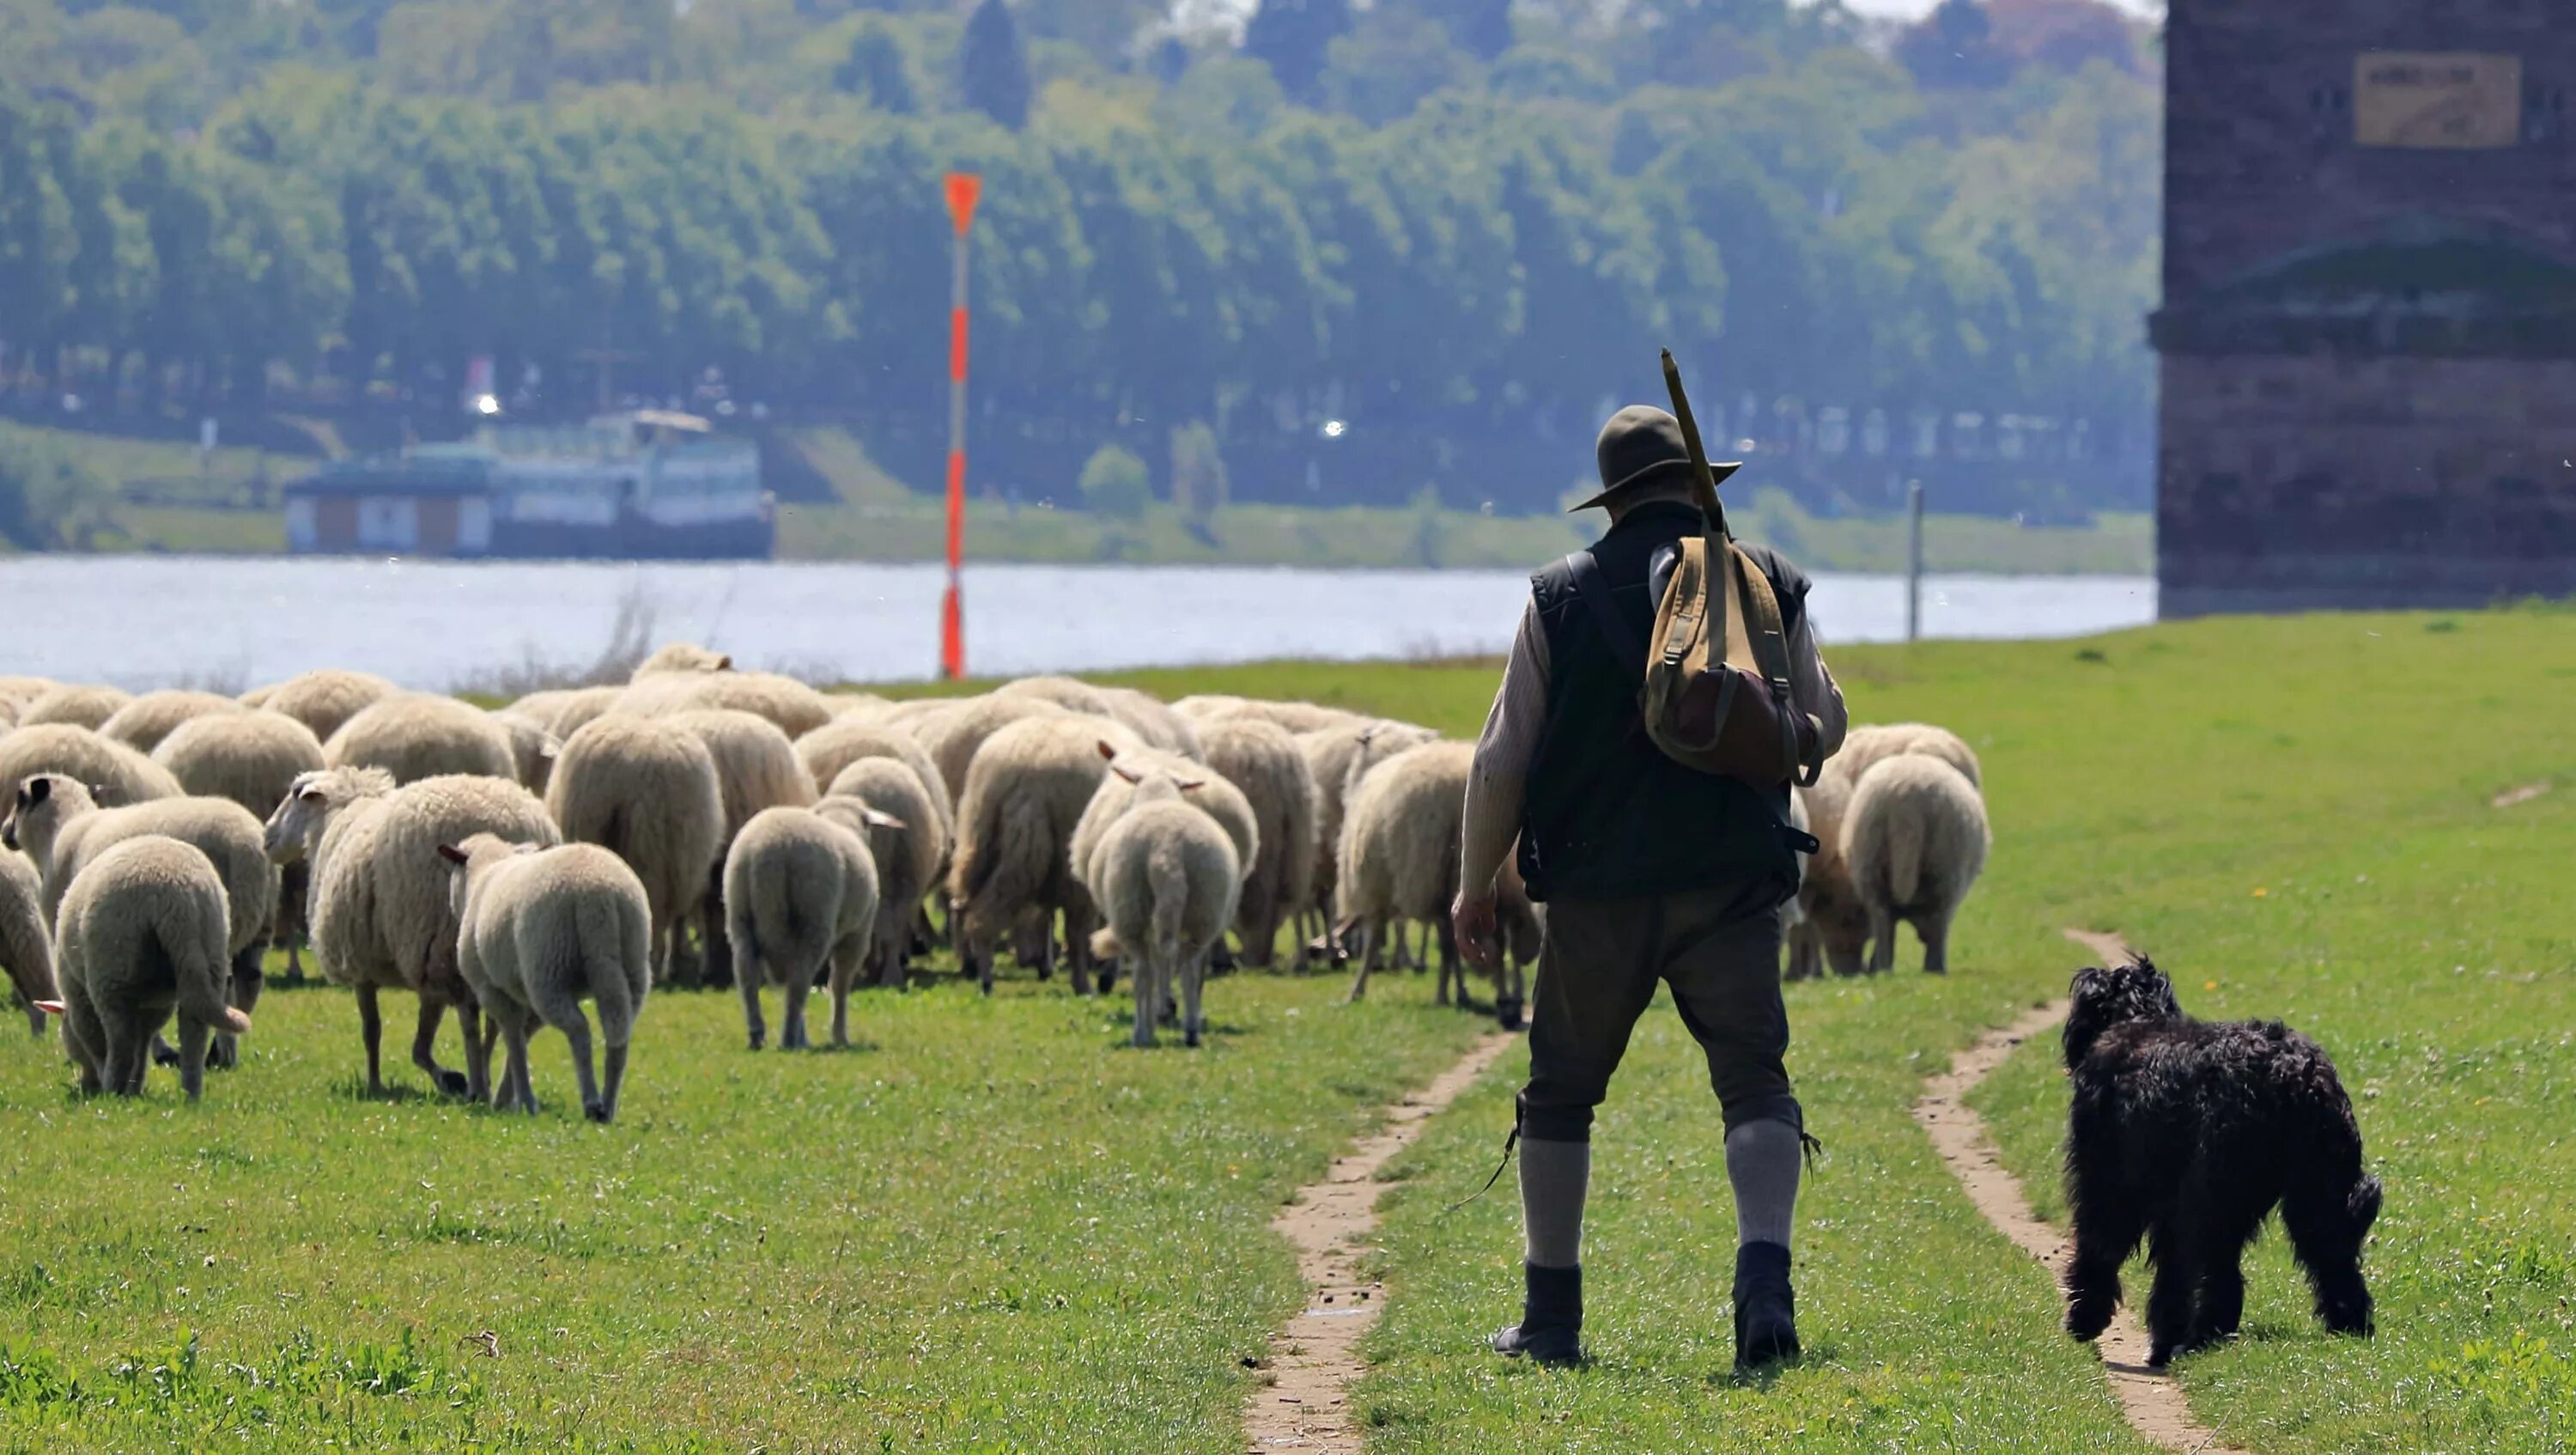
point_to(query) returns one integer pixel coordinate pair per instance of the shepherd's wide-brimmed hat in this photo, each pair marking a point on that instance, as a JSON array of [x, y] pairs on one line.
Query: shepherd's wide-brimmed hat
[[1640, 445]]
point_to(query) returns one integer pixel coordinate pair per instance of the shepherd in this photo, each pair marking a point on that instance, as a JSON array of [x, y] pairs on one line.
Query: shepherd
[[1663, 692]]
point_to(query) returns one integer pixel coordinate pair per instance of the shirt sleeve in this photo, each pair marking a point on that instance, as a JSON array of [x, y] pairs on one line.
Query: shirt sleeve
[[1499, 777], [1812, 687]]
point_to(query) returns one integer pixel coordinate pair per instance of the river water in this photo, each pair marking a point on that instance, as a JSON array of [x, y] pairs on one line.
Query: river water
[[229, 623]]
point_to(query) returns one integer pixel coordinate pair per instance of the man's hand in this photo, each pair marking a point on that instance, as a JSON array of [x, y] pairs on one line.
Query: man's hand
[[1471, 917]]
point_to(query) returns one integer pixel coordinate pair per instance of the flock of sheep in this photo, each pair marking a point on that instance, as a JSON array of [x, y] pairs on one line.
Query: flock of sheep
[[698, 825]]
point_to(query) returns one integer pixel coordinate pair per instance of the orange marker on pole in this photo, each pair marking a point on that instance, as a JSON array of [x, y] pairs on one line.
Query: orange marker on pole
[[963, 188]]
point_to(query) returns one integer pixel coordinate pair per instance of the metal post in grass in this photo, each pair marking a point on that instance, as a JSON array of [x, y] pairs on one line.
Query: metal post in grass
[[1913, 559], [963, 187]]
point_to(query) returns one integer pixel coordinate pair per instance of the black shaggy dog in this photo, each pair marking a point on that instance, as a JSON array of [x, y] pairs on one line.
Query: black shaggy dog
[[2187, 1133]]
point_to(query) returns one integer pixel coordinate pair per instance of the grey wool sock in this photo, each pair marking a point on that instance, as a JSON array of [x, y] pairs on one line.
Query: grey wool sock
[[1554, 1178], [1762, 1163]]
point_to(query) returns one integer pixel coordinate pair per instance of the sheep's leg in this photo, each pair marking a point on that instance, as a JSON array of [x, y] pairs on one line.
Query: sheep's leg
[[249, 979], [584, 1069], [845, 972], [127, 1045], [747, 976], [616, 1057], [1193, 975], [1077, 948], [897, 955], [800, 984], [1363, 939], [478, 1031], [520, 1081], [1882, 941], [193, 1035], [424, 1049], [371, 1029], [1934, 929], [1451, 967], [1147, 998], [163, 1053]]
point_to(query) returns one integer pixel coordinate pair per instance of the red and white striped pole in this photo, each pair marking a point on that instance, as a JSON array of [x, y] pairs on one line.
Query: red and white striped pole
[[963, 188]]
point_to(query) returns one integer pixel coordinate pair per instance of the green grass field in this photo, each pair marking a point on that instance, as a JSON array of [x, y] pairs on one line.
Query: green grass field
[[993, 1228]]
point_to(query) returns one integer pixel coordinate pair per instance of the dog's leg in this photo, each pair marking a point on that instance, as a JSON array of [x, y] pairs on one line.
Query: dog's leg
[[2172, 1247], [2107, 1228]]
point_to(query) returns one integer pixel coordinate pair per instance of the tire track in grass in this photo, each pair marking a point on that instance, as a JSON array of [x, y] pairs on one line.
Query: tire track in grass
[[2152, 1402], [1314, 1358]]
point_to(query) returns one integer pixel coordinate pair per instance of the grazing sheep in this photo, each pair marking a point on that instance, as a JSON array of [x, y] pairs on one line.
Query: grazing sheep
[[26, 951], [324, 700], [757, 768], [1296, 717], [252, 758], [683, 657], [575, 710], [77, 705], [540, 930], [1915, 838], [416, 735], [1865, 746], [1339, 757], [800, 895], [1154, 724], [63, 831], [533, 746], [647, 791], [142, 935], [796, 708], [78, 753], [1024, 794], [1519, 931], [1263, 760], [829, 750], [541, 706], [381, 921], [1830, 926], [1209, 794], [887, 804], [955, 735], [23, 690], [921, 709], [144, 722], [1166, 879], [1399, 851], [852, 704]]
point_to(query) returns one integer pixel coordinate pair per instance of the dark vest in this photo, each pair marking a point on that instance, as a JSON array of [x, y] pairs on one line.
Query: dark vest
[[1607, 815]]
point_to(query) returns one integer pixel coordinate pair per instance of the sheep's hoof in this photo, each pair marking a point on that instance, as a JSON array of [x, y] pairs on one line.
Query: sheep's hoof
[[1189, 1038], [596, 1112], [1507, 1009], [165, 1054], [221, 1057], [451, 1083], [757, 1040]]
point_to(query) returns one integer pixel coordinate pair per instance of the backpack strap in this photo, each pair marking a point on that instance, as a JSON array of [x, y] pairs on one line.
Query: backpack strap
[[1598, 604], [1770, 645]]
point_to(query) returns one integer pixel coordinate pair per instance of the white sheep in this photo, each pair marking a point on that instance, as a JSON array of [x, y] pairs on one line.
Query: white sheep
[[648, 792], [63, 830], [78, 753], [801, 897], [533, 746], [1339, 757], [142, 935], [833, 747], [1024, 793], [1263, 760], [540, 930], [566, 713], [1865, 746], [1399, 852], [1915, 838], [683, 657], [955, 732], [323, 700], [1070, 693], [418, 735], [78, 704], [757, 768], [144, 722], [886, 803], [1296, 717], [20, 690], [1154, 724], [380, 912], [252, 758], [26, 949], [796, 708], [1166, 879], [1829, 926]]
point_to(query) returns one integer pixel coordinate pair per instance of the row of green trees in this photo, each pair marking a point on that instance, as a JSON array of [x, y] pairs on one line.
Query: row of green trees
[[1461, 283]]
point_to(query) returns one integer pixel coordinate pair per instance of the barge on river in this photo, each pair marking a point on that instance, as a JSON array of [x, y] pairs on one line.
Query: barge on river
[[641, 485]]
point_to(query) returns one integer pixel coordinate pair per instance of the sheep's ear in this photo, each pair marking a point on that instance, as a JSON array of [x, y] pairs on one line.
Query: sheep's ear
[[549, 747], [50, 1007], [725, 662], [35, 791], [451, 853], [313, 794], [1108, 750], [882, 819], [104, 794], [1129, 774], [1367, 735], [1191, 785]]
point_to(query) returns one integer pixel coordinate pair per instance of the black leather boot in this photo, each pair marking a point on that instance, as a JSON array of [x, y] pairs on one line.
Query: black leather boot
[[1766, 1312], [1551, 1326]]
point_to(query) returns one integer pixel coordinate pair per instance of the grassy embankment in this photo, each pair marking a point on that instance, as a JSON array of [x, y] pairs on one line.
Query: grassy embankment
[[877, 519], [993, 1228]]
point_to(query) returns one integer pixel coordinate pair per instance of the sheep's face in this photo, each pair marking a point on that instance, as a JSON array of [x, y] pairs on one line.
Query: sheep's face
[[42, 805], [295, 828]]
